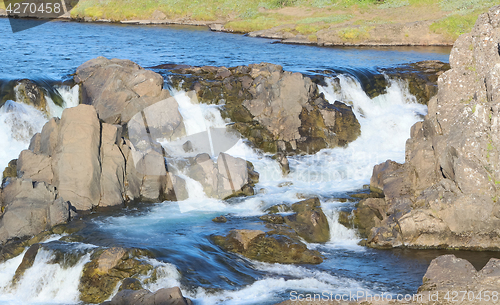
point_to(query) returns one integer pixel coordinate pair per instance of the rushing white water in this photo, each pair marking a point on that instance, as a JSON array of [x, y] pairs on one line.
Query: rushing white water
[[19, 122], [385, 125], [283, 279], [45, 282], [167, 275]]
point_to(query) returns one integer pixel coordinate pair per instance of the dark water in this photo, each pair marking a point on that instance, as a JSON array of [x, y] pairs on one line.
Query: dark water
[[54, 50]]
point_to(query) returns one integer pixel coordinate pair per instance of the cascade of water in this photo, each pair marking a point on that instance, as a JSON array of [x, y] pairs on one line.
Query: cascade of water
[[19, 122], [385, 123], [46, 282]]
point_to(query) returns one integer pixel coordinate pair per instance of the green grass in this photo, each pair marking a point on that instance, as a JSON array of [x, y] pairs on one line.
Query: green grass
[[458, 16], [455, 25], [354, 34]]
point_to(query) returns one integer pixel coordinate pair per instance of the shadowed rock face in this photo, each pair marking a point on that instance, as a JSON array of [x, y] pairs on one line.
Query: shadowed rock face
[[278, 111], [446, 193]]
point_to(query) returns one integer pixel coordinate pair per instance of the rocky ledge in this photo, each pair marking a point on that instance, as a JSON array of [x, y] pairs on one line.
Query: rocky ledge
[[276, 110], [446, 193], [104, 153]]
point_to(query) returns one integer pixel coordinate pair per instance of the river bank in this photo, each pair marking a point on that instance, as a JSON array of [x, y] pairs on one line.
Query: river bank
[[329, 23]]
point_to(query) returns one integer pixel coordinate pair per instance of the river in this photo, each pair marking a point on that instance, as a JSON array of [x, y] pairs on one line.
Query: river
[[179, 233]]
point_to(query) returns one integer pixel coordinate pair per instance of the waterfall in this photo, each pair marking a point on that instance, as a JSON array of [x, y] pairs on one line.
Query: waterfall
[[19, 122], [385, 126]]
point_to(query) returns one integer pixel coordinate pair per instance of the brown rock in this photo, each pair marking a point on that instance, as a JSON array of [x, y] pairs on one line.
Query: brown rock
[[220, 219], [277, 111], [164, 296], [76, 163], [271, 248], [446, 193], [309, 221], [118, 89]]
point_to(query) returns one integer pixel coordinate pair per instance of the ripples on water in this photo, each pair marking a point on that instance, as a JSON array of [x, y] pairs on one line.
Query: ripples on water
[[55, 49]]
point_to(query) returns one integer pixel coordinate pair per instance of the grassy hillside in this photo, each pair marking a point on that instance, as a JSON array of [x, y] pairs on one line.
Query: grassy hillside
[[450, 17]]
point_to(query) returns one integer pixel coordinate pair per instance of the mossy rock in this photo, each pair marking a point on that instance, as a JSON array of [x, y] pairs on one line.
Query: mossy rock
[[273, 218], [131, 284], [107, 268], [421, 77], [11, 170], [345, 219], [309, 221], [268, 248], [279, 208], [367, 215]]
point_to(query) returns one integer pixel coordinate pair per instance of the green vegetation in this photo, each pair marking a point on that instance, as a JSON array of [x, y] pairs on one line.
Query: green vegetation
[[349, 18], [354, 34], [456, 24]]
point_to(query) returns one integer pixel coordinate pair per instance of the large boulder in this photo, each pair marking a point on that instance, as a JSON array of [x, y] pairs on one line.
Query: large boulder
[[91, 165], [268, 247], [76, 160], [118, 89], [228, 177], [446, 193], [277, 111], [454, 280], [29, 208]]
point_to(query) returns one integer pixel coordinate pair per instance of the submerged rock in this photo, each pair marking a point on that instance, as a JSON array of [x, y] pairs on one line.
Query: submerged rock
[[446, 193], [266, 247], [164, 296], [220, 219], [277, 111]]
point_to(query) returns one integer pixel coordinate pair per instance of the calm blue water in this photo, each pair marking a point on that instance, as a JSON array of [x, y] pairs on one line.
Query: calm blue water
[[54, 50]]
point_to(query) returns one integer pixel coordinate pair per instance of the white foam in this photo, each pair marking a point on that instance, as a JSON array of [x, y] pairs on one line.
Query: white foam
[[167, 275], [45, 282], [385, 126], [19, 122], [266, 290]]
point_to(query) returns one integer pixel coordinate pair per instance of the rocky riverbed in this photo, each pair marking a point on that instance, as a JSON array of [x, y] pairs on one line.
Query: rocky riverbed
[[129, 141], [445, 194]]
